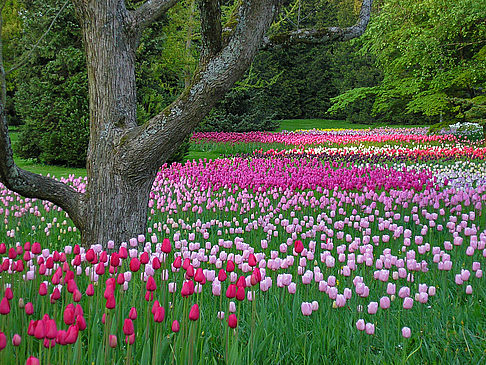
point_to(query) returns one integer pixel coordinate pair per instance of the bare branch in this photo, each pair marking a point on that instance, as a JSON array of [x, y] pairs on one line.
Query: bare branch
[[210, 28], [33, 185], [150, 12], [25, 57], [323, 35]]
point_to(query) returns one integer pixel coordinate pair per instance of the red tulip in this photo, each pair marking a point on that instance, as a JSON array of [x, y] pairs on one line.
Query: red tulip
[[166, 246], [113, 341], [103, 257], [133, 313], [40, 330], [222, 275], [3, 248], [81, 323], [51, 328], [42, 289], [230, 266], [100, 269], [4, 306], [72, 334], [71, 286], [177, 262], [175, 326], [151, 285], [231, 291], [190, 271], [130, 339], [199, 277], [31, 327], [149, 296], [77, 296], [187, 288], [134, 264], [120, 279], [61, 337], [77, 260], [144, 258], [128, 327], [123, 252], [3, 341], [8, 293], [110, 302], [90, 255], [155, 306], [16, 340], [186, 263], [252, 260], [76, 249], [29, 308], [241, 283], [194, 313], [240, 293], [256, 276], [49, 343], [90, 290], [298, 246], [78, 310], [50, 263], [232, 321], [68, 315], [20, 266], [32, 361], [156, 263], [12, 253], [159, 315]]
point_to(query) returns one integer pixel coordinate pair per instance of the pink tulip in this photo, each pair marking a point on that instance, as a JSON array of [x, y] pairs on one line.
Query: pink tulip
[[372, 307], [407, 303], [306, 308], [406, 332], [370, 329], [360, 325]]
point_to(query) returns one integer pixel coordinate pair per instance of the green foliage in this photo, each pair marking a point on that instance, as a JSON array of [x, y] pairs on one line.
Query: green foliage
[[432, 54], [51, 98]]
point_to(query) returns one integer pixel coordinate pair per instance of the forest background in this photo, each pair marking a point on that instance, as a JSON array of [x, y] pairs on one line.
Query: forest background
[[419, 62]]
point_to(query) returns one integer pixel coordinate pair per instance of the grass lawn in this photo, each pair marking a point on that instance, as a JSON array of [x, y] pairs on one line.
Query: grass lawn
[[294, 124]]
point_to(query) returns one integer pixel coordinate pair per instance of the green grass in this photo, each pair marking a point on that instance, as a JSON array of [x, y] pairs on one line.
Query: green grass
[[294, 124]]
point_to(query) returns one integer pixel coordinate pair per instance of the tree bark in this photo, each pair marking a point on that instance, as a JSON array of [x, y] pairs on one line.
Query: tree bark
[[115, 204]]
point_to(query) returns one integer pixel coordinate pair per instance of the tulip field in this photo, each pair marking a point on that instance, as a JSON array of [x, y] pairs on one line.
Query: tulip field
[[305, 247]]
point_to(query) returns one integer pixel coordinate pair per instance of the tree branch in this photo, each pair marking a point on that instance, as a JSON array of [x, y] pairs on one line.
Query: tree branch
[[150, 12], [33, 185], [210, 28], [323, 35], [25, 57], [145, 148]]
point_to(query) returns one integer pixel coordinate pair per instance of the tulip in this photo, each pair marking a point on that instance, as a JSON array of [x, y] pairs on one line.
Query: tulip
[[384, 302], [232, 321], [3, 341], [130, 340], [166, 246], [16, 339], [306, 308], [175, 326], [151, 285], [406, 332], [194, 313], [81, 322], [4, 306], [133, 313], [72, 334], [134, 264], [112, 341], [68, 315], [40, 330], [32, 361], [128, 327], [360, 325], [159, 315], [407, 303], [230, 266], [240, 293], [370, 329]]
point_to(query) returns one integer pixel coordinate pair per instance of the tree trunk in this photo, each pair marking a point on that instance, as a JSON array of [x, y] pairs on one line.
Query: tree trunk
[[115, 204]]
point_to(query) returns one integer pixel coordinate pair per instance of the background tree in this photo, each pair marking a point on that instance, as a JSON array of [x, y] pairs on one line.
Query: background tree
[[123, 156], [433, 58]]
